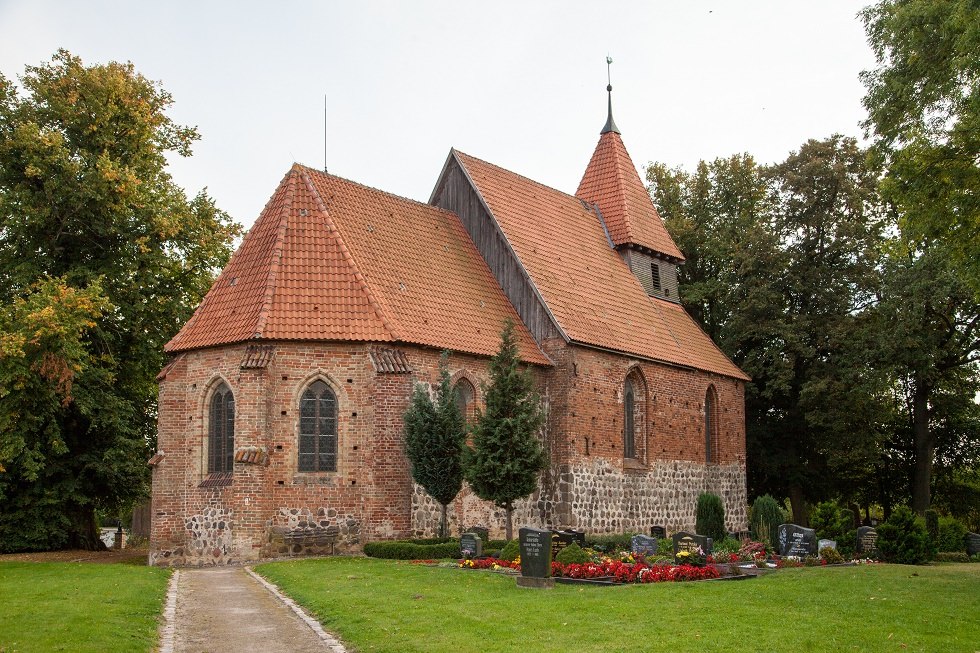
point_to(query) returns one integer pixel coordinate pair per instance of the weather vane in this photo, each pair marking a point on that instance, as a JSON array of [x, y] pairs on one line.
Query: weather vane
[[608, 73]]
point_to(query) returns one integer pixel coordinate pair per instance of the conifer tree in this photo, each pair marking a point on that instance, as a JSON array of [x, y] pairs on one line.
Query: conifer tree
[[506, 457], [435, 435]]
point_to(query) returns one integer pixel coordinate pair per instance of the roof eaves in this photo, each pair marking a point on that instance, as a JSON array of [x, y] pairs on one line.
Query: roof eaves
[[741, 374], [389, 324], [510, 248]]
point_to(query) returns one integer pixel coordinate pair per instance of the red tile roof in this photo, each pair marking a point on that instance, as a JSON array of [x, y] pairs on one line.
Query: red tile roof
[[611, 181], [585, 283], [330, 259]]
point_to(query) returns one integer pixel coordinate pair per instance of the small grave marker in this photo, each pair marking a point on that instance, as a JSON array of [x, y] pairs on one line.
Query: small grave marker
[[823, 544], [691, 542], [643, 545], [470, 545], [659, 532], [972, 544], [796, 541], [867, 541]]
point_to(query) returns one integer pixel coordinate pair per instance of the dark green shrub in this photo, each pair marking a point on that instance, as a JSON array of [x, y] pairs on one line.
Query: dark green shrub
[[495, 544], [510, 551], [831, 555], [952, 556], [932, 526], [403, 550], [725, 546], [665, 546], [765, 517], [903, 539], [833, 522], [427, 541], [710, 517], [609, 543], [573, 555], [951, 535]]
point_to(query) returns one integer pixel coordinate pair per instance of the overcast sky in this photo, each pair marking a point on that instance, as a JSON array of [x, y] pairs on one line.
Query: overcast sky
[[520, 84]]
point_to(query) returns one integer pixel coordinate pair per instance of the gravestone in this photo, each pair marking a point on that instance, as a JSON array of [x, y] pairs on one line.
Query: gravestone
[[480, 531], [470, 545], [823, 544], [691, 542], [659, 532], [796, 541], [535, 558], [561, 539], [867, 541], [972, 544], [643, 545]]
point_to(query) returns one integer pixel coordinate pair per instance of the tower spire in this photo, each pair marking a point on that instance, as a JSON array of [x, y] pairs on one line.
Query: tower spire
[[610, 125]]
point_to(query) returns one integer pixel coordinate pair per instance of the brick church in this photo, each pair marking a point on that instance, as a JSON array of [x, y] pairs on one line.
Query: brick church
[[280, 410]]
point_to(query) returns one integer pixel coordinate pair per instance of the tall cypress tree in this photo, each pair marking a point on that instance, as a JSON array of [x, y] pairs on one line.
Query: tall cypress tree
[[506, 457], [435, 435]]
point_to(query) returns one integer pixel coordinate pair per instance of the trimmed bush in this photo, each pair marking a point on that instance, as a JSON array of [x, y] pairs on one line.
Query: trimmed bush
[[573, 555], [710, 517], [725, 546], [609, 543], [952, 556], [511, 551], [951, 535], [903, 539], [764, 520], [404, 550], [833, 522], [831, 556]]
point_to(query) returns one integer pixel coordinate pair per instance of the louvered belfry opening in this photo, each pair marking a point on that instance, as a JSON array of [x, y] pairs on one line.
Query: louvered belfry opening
[[318, 429]]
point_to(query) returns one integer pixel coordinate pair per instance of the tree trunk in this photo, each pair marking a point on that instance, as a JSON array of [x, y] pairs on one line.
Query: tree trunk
[[509, 533], [444, 522], [84, 534], [924, 447], [798, 504]]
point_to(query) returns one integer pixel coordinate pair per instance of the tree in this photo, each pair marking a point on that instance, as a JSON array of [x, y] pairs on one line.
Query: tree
[[923, 105], [783, 257], [506, 457], [85, 200], [435, 435]]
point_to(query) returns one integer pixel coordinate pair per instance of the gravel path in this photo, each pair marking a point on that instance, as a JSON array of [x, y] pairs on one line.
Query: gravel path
[[230, 609]]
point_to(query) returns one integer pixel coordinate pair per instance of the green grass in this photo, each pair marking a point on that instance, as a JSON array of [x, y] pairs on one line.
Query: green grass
[[79, 607], [379, 605]]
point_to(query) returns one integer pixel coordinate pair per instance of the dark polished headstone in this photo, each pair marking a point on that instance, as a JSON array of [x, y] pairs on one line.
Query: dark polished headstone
[[561, 539], [867, 541], [535, 552], [796, 541], [470, 545], [972, 543], [691, 542], [643, 545], [659, 532]]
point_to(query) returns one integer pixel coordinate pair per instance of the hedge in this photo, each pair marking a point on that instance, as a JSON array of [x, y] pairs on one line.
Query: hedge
[[405, 550]]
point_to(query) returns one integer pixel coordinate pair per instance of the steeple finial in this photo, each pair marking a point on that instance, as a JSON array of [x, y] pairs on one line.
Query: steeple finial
[[610, 125]]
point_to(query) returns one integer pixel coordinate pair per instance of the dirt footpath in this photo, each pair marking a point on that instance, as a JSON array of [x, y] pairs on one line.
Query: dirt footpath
[[226, 609]]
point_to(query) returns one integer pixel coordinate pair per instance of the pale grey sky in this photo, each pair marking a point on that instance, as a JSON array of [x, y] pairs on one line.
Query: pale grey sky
[[521, 84]]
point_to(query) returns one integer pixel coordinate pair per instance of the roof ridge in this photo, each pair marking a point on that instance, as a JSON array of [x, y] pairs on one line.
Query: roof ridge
[[517, 174], [270, 282], [389, 324], [620, 182], [314, 171]]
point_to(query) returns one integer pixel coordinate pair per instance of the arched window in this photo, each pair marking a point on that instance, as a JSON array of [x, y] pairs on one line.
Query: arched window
[[466, 399], [629, 420], [318, 429], [710, 426], [221, 431]]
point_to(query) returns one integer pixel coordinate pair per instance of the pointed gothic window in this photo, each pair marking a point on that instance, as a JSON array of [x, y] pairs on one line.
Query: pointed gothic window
[[318, 429], [711, 426], [629, 421], [466, 399], [221, 431]]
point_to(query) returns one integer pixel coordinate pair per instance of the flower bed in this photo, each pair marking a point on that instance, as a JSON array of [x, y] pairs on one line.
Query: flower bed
[[615, 571]]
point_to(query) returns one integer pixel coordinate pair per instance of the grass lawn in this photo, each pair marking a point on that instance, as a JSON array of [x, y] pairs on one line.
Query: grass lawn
[[60, 606], [377, 605]]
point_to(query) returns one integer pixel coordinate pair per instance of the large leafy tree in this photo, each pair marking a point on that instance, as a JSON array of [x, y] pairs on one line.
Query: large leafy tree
[[435, 435], [923, 105], [782, 258], [88, 211], [507, 457]]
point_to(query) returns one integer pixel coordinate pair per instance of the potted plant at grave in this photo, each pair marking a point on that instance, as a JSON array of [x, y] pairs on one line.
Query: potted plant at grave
[[693, 557]]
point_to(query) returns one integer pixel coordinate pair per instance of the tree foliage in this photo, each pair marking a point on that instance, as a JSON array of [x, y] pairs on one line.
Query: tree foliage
[[506, 458], [89, 213], [435, 435], [923, 105]]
